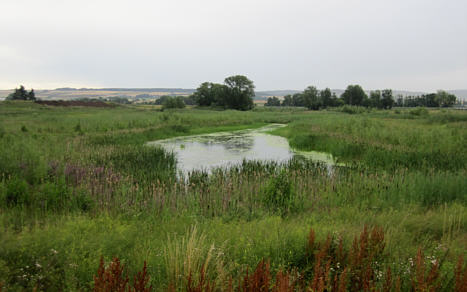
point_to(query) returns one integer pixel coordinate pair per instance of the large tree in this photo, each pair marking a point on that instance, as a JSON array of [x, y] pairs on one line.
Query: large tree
[[273, 101], [311, 98], [208, 94], [298, 100], [326, 97], [375, 99], [387, 100], [445, 99], [287, 101], [239, 92], [354, 95]]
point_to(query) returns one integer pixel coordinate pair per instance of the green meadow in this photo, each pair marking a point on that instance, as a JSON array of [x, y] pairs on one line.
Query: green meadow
[[78, 184]]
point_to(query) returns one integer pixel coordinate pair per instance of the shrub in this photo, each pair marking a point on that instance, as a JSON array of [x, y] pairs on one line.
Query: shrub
[[279, 195], [350, 109], [173, 102], [419, 111], [17, 192]]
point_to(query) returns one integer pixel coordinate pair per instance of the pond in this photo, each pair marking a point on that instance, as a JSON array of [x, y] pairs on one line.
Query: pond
[[224, 149]]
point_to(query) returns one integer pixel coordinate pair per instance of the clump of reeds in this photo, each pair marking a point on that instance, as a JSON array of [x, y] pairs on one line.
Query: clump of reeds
[[191, 262]]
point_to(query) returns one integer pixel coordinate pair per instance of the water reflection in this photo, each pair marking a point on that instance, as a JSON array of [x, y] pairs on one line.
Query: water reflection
[[204, 152]]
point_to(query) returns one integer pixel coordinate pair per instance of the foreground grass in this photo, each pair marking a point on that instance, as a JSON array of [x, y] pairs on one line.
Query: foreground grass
[[78, 184]]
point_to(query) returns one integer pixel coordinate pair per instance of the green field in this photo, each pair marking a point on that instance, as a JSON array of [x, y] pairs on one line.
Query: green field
[[78, 184]]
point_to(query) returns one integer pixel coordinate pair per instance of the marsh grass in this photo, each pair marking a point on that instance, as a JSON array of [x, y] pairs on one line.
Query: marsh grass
[[328, 265], [80, 184], [191, 257]]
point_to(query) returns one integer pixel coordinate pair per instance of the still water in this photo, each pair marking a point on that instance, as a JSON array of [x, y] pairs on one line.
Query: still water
[[224, 149]]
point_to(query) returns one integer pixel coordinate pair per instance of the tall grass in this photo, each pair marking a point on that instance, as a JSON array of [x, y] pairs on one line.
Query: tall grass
[[79, 184]]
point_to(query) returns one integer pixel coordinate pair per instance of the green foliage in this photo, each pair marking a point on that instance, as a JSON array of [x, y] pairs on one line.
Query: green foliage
[[354, 95], [144, 162], [21, 94], [419, 111], [67, 199], [279, 194], [445, 99], [209, 94], [273, 101], [237, 93], [78, 128], [439, 99], [351, 109], [311, 98], [16, 193], [173, 103], [387, 100]]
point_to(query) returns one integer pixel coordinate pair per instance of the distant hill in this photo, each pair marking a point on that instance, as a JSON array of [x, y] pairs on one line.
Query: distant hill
[[68, 93]]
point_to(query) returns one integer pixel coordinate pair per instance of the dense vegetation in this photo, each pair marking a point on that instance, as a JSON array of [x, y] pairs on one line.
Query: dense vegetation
[[354, 95], [237, 92], [21, 94], [78, 184]]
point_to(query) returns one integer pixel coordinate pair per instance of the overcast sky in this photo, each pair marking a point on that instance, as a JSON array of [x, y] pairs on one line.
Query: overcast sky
[[286, 44]]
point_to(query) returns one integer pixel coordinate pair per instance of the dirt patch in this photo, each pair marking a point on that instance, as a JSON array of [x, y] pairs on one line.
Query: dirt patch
[[74, 103]]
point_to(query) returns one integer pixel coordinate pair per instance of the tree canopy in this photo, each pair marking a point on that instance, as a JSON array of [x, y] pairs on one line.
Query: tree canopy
[[237, 92], [273, 101], [173, 102], [21, 94], [354, 95]]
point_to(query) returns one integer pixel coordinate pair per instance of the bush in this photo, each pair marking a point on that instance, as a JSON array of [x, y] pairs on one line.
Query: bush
[[351, 109], [173, 102], [419, 111], [16, 192], [279, 195]]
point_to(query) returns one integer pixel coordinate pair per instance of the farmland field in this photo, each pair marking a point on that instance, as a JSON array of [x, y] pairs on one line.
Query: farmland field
[[78, 184]]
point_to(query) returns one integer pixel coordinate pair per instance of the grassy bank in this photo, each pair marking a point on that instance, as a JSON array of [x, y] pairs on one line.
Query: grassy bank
[[78, 183]]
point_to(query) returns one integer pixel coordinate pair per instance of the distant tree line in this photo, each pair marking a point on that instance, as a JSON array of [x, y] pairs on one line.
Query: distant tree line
[[187, 100], [237, 92], [114, 99], [315, 99], [21, 94], [439, 99]]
